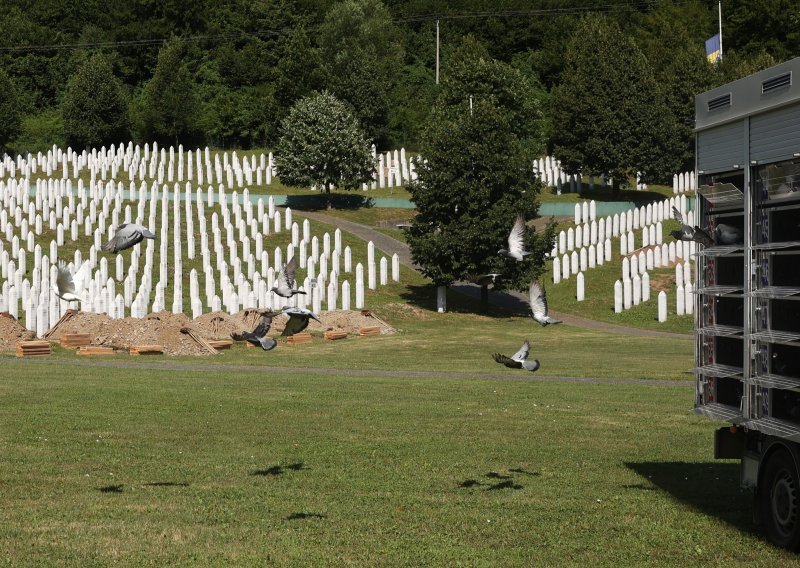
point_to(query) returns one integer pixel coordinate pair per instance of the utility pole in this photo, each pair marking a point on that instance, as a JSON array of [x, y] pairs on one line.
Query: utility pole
[[437, 52], [720, 30]]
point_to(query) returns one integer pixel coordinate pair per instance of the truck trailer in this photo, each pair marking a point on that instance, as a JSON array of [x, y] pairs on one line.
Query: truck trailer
[[747, 286]]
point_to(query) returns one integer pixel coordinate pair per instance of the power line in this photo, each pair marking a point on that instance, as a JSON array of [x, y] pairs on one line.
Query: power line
[[573, 10]]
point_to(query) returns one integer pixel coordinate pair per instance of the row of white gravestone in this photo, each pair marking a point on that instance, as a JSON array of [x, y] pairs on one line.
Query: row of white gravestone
[[188, 203], [683, 182], [137, 163], [630, 292], [656, 257], [581, 260], [684, 302], [634, 218]]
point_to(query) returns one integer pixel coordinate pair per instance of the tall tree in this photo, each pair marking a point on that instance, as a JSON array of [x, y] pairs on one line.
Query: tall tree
[[9, 110], [95, 106], [362, 51], [167, 109], [609, 115], [322, 144]]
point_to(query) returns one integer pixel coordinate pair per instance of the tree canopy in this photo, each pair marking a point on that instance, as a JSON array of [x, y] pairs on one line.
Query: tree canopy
[[323, 145], [95, 107]]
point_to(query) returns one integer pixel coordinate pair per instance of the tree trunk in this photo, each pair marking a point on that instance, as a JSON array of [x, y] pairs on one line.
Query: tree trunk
[[328, 205], [615, 186], [485, 298]]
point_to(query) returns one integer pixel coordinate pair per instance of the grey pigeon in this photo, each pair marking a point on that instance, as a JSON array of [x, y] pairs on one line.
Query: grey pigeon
[[687, 233], [516, 241], [284, 285], [258, 336], [68, 286], [298, 320], [485, 279], [538, 302], [518, 360], [127, 235], [727, 234]]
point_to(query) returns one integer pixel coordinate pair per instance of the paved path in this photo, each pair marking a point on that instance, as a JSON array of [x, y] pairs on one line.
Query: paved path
[[267, 370], [512, 300]]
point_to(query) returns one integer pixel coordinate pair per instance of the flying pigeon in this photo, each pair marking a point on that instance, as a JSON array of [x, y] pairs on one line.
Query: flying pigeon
[[687, 233], [284, 285], [298, 320], [258, 336], [516, 241], [68, 286], [538, 302], [127, 235], [485, 279], [519, 359]]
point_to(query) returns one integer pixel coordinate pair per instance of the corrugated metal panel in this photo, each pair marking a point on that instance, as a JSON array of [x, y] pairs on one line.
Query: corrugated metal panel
[[720, 148], [775, 135]]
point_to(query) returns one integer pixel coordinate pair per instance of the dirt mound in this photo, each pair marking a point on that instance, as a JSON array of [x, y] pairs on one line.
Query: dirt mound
[[164, 328], [12, 332]]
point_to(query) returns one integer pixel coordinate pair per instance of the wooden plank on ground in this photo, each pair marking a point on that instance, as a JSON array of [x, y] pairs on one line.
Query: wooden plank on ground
[[220, 344], [146, 350], [369, 331], [66, 317], [298, 338], [75, 339], [199, 340], [335, 334], [33, 348], [94, 351]]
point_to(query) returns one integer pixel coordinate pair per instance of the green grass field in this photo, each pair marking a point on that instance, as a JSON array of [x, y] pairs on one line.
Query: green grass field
[[145, 467]]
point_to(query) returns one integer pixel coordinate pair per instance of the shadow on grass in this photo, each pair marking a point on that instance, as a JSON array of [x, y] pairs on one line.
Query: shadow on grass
[[319, 201], [711, 488], [279, 469], [465, 298], [111, 489], [505, 481], [167, 484], [606, 194], [297, 516]]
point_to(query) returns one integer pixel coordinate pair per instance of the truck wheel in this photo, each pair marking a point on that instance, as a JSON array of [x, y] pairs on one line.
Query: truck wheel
[[780, 500]]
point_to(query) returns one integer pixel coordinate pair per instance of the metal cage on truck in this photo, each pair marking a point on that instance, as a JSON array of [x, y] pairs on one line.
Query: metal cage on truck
[[747, 316]]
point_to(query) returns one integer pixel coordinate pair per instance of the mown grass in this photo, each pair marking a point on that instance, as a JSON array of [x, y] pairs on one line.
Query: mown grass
[[227, 468]]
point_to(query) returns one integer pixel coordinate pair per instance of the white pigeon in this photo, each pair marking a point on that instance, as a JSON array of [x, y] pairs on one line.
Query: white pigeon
[[126, 236], [284, 285], [518, 360], [485, 279], [298, 320], [516, 241], [538, 302], [68, 286]]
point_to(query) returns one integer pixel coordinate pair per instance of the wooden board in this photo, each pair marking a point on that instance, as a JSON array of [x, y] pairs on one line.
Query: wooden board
[[199, 340], [335, 334], [33, 348], [66, 317], [298, 338], [146, 350], [221, 343], [368, 331], [75, 339], [94, 351]]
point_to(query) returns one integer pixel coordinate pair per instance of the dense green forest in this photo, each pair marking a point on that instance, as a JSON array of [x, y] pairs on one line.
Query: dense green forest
[[226, 74]]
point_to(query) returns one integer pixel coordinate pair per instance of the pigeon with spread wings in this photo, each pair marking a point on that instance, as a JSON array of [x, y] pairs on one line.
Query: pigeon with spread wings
[[518, 360], [68, 286], [538, 303], [258, 336], [687, 233], [516, 241], [284, 284], [298, 320], [127, 235]]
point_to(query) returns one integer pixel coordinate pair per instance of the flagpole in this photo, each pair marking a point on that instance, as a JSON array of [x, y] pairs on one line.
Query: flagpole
[[720, 29]]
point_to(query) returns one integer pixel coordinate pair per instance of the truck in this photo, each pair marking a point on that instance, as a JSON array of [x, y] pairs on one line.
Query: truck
[[747, 286]]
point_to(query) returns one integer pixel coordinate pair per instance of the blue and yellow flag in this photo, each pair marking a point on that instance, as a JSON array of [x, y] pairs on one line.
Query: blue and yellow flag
[[713, 51]]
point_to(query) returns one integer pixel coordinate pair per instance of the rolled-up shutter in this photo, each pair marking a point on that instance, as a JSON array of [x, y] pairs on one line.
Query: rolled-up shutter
[[775, 136], [721, 148]]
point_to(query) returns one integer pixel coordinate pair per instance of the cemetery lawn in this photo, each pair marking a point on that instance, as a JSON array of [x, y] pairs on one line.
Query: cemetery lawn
[[234, 468]]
